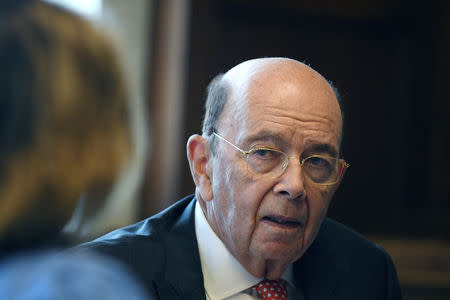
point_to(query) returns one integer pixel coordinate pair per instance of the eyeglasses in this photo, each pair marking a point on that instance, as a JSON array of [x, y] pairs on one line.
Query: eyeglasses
[[321, 169]]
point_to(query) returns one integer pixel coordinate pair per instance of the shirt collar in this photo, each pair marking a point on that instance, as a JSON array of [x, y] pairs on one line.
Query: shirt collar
[[223, 275]]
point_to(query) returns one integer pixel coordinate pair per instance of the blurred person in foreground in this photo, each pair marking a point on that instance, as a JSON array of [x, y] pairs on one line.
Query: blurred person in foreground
[[265, 168], [63, 132]]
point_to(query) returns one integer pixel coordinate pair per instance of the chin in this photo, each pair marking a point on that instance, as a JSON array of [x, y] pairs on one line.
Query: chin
[[279, 251]]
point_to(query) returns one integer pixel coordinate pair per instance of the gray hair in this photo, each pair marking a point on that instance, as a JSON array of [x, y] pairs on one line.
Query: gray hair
[[217, 96], [218, 92]]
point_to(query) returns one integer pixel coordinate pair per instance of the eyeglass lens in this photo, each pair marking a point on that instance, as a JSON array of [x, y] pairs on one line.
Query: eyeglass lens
[[320, 169]]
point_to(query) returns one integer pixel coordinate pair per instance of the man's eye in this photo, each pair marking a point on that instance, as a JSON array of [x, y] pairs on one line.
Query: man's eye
[[265, 154], [317, 162]]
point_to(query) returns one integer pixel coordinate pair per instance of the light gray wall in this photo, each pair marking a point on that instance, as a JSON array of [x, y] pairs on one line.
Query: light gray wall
[[129, 25]]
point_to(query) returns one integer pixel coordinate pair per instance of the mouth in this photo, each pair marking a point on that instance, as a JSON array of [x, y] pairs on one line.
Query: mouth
[[282, 221]]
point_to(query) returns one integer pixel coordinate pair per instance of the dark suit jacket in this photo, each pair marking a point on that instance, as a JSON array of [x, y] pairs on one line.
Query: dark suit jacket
[[163, 251]]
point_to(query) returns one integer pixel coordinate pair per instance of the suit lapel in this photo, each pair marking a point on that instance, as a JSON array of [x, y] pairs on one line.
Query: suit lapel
[[183, 275]]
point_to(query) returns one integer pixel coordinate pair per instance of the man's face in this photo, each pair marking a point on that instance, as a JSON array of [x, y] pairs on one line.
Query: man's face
[[268, 223]]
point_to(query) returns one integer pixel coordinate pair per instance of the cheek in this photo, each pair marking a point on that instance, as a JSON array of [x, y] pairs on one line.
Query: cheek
[[247, 194], [229, 201], [319, 199], [318, 202], [239, 195]]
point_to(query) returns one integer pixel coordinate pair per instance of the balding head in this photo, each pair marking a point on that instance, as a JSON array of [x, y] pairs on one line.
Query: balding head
[[233, 85]]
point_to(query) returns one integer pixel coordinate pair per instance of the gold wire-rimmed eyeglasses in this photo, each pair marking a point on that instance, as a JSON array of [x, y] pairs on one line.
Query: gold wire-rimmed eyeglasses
[[320, 169]]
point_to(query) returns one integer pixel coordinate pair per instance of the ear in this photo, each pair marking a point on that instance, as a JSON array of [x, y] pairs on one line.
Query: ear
[[337, 184], [198, 154]]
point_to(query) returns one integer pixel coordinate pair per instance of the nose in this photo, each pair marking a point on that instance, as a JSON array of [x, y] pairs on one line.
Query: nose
[[291, 183]]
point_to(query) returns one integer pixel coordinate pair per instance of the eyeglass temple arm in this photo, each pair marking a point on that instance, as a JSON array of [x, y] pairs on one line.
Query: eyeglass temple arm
[[230, 143]]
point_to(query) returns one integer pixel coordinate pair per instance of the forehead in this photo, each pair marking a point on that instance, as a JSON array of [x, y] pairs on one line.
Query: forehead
[[288, 99]]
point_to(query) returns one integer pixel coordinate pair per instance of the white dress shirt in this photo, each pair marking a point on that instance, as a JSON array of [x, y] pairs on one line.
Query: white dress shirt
[[223, 276]]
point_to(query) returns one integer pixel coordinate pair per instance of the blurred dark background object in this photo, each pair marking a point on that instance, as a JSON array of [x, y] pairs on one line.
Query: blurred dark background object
[[389, 60]]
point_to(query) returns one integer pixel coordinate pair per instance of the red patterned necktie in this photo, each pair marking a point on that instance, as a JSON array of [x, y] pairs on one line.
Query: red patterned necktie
[[271, 289]]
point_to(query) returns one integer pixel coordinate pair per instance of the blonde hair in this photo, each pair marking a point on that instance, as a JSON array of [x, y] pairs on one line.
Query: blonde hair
[[66, 117]]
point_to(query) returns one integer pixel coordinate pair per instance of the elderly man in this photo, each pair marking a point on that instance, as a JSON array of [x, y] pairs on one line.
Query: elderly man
[[265, 169]]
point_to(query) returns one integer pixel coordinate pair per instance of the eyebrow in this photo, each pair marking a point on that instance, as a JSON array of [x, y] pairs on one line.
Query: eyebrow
[[322, 148], [265, 136], [277, 140]]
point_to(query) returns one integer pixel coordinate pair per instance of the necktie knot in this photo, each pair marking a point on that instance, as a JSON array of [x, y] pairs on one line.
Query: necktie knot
[[271, 289]]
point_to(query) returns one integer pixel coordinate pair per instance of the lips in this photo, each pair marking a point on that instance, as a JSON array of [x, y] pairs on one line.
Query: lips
[[282, 221]]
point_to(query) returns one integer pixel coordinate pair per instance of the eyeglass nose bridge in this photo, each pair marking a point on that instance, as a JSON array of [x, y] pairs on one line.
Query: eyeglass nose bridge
[[286, 162]]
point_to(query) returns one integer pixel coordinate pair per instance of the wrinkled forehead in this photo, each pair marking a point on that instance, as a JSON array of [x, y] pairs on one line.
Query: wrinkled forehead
[[259, 85]]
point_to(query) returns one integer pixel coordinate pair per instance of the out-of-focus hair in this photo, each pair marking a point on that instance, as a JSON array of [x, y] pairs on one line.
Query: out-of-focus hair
[[63, 117]]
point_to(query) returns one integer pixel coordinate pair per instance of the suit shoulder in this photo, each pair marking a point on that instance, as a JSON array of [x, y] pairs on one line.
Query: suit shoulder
[[333, 231], [361, 264], [148, 234], [348, 243]]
